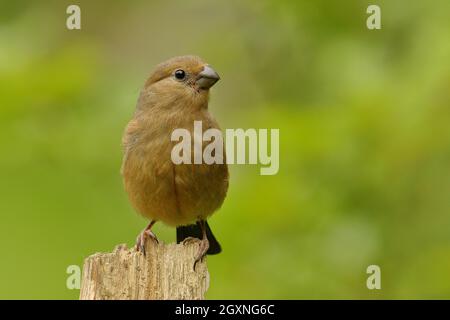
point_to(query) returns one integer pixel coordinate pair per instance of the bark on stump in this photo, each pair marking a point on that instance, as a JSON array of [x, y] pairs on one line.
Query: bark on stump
[[166, 272]]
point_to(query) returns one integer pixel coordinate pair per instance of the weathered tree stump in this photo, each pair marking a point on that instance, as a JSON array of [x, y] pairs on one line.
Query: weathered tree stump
[[166, 272]]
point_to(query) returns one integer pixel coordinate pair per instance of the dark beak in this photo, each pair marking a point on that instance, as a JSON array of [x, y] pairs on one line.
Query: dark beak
[[207, 78]]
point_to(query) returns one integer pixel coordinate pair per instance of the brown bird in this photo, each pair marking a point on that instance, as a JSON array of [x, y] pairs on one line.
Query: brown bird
[[182, 195]]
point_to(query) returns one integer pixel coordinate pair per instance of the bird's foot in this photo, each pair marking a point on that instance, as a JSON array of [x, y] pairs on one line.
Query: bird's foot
[[142, 237], [203, 248], [188, 240]]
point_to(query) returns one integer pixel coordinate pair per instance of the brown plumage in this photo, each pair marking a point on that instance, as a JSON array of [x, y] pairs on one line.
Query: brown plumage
[[174, 96]]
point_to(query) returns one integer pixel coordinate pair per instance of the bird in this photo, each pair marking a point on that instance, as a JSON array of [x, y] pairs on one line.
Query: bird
[[180, 195]]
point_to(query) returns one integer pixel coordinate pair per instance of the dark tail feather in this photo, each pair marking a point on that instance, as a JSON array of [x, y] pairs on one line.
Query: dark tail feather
[[193, 230]]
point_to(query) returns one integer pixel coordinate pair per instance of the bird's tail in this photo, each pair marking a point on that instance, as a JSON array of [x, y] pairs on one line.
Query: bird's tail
[[194, 230]]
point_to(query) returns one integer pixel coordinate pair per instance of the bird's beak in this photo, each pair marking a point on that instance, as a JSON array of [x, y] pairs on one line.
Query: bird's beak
[[207, 78]]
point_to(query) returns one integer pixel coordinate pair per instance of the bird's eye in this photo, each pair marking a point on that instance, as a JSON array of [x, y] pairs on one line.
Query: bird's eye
[[180, 74]]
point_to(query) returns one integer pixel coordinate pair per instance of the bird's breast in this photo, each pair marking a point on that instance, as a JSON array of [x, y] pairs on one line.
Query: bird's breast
[[176, 194]]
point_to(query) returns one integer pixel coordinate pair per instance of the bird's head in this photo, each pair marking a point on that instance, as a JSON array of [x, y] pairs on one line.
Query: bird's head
[[185, 77]]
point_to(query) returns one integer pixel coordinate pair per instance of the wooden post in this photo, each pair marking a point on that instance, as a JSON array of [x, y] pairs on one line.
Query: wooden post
[[166, 272]]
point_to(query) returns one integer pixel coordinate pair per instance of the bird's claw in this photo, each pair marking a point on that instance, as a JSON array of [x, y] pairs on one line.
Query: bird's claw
[[203, 248], [142, 237]]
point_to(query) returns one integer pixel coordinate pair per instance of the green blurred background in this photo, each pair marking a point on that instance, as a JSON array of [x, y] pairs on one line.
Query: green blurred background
[[364, 119]]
